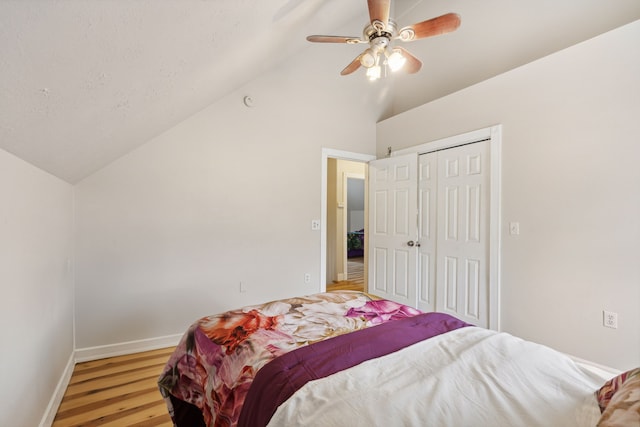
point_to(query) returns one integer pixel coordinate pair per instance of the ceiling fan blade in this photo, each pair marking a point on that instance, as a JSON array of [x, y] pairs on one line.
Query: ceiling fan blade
[[413, 64], [379, 10], [334, 39], [353, 66], [431, 27]]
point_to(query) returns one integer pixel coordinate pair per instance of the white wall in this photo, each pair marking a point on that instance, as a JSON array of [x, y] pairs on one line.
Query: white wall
[[355, 206], [166, 234], [570, 177], [36, 308]]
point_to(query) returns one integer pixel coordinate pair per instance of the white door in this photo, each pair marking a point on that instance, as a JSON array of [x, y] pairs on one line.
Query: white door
[[427, 231], [463, 232], [393, 186]]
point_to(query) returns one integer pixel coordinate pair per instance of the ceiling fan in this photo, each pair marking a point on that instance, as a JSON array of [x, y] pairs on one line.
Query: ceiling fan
[[379, 34]]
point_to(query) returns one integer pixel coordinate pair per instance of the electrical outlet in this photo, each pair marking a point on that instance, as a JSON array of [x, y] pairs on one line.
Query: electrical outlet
[[307, 277], [610, 319], [514, 228], [315, 224]]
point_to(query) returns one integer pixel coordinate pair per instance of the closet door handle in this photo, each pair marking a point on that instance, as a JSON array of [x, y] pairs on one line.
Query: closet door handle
[[410, 243]]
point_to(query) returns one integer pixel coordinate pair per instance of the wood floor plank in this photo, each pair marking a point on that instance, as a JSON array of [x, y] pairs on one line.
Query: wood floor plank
[[84, 399], [115, 368], [122, 359], [142, 417], [114, 407], [113, 380], [155, 422], [119, 391]]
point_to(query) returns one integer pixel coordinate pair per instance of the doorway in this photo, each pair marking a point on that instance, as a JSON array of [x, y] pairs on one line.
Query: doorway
[[339, 217], [354, 239], [345, 224]]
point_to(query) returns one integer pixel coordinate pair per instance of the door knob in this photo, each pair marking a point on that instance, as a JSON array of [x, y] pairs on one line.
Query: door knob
[[410, 243]]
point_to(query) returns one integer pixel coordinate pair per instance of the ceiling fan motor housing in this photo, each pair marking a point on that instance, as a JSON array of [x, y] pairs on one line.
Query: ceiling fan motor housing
[[377, 30], [379, 36]]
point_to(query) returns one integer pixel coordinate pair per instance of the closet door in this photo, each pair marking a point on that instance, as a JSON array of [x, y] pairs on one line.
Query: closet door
[[392, 236], [427, 207], [462, 232]]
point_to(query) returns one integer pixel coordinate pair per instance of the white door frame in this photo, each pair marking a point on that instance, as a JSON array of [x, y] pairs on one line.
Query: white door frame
[[494, 133], [342, 155]]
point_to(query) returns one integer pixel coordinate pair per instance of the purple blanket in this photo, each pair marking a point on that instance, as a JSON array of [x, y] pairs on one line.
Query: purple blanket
[[280, 378]]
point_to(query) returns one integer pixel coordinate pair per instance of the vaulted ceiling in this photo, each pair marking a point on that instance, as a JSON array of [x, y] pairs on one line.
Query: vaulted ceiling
[[83, 82]]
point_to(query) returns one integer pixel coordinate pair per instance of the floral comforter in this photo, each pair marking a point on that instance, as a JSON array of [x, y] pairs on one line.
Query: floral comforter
[[218, 357]]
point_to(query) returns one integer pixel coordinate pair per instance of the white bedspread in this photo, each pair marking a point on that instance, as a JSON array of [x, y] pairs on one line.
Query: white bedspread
[[467, 377]]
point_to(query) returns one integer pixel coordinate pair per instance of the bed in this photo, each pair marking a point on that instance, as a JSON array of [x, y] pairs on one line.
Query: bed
[[348, 359]]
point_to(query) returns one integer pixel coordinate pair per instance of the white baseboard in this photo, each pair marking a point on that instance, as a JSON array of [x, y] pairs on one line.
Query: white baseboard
[[58, 394], [130, 347]]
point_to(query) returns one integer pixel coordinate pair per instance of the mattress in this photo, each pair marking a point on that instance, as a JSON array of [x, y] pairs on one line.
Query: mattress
[[466, 377], [347, 358]]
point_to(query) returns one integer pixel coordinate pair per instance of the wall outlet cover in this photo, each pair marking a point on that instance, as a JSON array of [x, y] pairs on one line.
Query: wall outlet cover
[[610, 319]]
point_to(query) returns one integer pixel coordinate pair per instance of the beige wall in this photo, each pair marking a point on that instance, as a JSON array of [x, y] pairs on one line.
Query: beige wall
[[36, 281], [570, 177]]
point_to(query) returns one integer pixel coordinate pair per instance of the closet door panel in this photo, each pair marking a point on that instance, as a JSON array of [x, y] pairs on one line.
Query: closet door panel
[[427, 220], [393, 186], [462, 232]]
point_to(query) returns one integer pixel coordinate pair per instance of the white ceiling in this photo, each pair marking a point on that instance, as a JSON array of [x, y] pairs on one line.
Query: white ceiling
[[83, 82]]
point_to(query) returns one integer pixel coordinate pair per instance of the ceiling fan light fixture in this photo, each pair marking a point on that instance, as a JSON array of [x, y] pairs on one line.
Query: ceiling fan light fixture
[[374, 73], [368, 59], [396, 60]]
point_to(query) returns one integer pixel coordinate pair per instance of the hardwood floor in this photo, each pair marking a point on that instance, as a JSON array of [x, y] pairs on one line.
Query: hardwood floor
[[118, 391], [355, 275]]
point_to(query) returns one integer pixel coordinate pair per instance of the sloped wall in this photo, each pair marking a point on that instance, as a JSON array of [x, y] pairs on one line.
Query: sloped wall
[[167, 233], [36, 279]]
